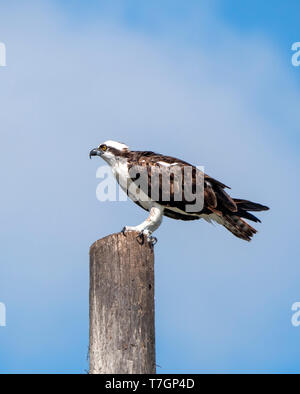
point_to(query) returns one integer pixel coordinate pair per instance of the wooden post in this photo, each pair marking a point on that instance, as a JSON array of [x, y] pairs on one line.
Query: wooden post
[[122, 335]]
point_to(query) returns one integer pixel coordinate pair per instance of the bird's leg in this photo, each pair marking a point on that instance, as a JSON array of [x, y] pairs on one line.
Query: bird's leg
[[148, 226]]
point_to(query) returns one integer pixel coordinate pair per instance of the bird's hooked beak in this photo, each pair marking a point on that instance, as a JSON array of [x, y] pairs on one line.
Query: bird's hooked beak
[[95, 152]]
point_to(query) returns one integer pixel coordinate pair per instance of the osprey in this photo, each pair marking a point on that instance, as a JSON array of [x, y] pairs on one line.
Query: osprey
[[217, 205]]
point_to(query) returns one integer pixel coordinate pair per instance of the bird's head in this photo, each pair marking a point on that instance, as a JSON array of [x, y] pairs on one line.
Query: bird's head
[[110, 151]]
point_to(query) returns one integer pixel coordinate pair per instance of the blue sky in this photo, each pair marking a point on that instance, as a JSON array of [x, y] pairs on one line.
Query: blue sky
[[210, 82]]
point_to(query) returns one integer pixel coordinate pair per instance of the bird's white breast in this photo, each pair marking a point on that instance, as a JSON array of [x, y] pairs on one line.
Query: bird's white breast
[[120, 171]]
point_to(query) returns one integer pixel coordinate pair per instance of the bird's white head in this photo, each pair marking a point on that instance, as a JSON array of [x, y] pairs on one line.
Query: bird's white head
[[110, 151]]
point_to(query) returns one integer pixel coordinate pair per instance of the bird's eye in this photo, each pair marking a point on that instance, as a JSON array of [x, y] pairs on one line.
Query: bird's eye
[[103, 147]]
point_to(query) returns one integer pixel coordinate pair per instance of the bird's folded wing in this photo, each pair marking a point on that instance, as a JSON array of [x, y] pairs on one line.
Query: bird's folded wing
[[172, 183]]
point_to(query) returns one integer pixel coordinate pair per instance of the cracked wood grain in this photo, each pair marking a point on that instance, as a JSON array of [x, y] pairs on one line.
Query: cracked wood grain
[[122, 333]]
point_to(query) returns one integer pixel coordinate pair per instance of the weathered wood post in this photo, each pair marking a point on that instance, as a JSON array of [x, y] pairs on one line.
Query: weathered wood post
[[122, 335]]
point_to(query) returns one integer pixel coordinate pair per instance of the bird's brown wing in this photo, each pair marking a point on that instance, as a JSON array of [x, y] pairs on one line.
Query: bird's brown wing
[[185, 180], [216, 202]]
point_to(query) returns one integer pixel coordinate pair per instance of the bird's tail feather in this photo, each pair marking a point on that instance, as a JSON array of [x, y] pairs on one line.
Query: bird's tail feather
[[249, 205], [239, 227]]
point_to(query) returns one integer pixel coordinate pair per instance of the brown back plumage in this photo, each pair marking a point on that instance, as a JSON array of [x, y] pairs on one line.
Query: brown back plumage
[[218, 205]]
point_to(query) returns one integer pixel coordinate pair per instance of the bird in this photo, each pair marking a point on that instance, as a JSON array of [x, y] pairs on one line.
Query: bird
[[134, 171]]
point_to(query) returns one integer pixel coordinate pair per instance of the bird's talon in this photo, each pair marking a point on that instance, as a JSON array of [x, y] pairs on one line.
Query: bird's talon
[[152, 240], [140, 238], [124, 231]]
